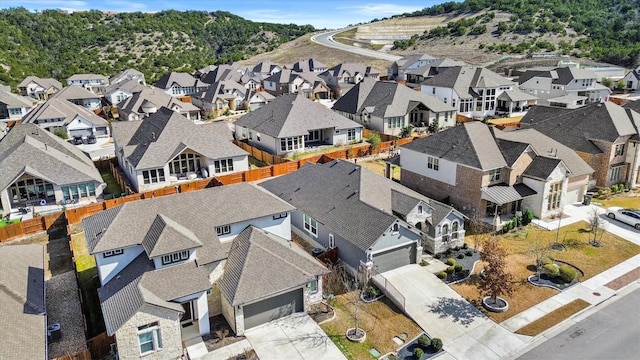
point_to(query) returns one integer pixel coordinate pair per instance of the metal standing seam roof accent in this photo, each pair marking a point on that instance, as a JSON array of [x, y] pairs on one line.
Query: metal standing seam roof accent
[[504, 194], [255, 253]]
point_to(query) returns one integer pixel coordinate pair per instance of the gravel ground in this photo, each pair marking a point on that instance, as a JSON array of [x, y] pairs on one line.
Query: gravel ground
[[63, 306]]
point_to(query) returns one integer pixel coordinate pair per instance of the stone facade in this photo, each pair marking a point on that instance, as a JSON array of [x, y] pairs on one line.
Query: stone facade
[[170, 333]]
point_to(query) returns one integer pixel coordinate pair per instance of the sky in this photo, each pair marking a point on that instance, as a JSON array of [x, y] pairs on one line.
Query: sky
[[321, 14]]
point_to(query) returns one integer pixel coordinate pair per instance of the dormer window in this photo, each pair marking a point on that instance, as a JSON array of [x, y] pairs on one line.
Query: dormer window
[[223, 230], [111, 253], [175, 257], [494, 175], [420, 209], [395, 228], [280, 216]]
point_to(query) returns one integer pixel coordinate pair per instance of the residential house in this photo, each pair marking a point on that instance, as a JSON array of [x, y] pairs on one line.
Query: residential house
[[75, 120], [38, 88], [376, 223], [605, 135], [79, 96], [166, 147], [265, 69], [548, 85], [342, 77], [474, 91], [147, 101], [164, 271], [291, 82], [488, 172], [180, 84], [415, 76], [4, 129], [212, 74], [397, 70], [39, 168], [389, 107], [92, 82], [120, 91], [23, 309], [220, 97], [292, 123], [14, 107], [632, 80], [256, 99], [309, 65], [127, 75]]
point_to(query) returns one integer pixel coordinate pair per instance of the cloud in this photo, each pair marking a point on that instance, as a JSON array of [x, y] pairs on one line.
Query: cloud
[[282, 17], [48, 4], [381, 10]]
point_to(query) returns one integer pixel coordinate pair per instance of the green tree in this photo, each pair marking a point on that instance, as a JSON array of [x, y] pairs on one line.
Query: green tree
[[61, 133]]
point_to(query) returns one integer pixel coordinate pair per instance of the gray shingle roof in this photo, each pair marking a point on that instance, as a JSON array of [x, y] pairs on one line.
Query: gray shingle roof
[[511, 150], [124, 74], [56, 108], [27, 148], [469, 144], [14, 101], [88, 77], [350, 200], [131, 86], [200, 212], [541, 167], [576, 128], [351, 69], [516, 95], [182, 79], [463, 78], [156, 140], [75, 93], [134, 103], [386, 99], [255, 253], [165, 236], [22, 302], [293, 115], [43, 82]]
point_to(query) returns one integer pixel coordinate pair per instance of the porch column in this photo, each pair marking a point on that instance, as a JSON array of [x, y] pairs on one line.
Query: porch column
[[202, 311], [633, 179]]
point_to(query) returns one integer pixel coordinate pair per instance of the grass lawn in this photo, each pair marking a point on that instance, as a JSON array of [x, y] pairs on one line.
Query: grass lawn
[[381, 320], [520, 262], [89, 283], [255, 163], [306, 154], [378, 166], [8, 222], [553, 318], [629, 202], [112, 184]]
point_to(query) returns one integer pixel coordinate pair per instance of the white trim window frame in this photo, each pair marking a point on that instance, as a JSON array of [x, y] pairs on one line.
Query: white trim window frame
[[332, 241], [149, 339], [111, 253], [175, 257], [223, 230], [433, 163], [311, 225]]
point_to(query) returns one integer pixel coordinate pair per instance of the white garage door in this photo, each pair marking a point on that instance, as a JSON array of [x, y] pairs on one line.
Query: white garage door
[[573, 195]]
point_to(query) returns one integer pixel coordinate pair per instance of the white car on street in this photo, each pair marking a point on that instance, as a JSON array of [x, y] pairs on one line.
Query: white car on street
[[627, 216]]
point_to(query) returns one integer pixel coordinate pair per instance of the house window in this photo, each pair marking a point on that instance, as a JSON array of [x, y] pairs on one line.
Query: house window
[[258, 136], [78, 191], [183, 163], [395, 228], [175, 257], [614, 175], [280, 216], [466, 105], [419, 209], [223, 230], [433, 163], [313, 286], [222, 166], [433, 91], [111, 253], [291, 143], [395, 122], [490, 99], [332, 241], [149, 338], [351, 134], [454, 230], [619, 150], [555, 192], [314, 135], [310, 225], [153, 176], [494, 175]]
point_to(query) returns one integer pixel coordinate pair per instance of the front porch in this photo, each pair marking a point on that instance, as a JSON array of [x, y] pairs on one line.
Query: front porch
[[514, 103], [503, 202]]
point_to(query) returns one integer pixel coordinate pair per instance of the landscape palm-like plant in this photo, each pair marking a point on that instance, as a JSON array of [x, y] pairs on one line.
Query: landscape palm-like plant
[[496, 280]]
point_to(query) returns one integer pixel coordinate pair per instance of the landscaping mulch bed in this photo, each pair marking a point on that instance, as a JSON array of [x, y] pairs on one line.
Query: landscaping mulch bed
[[406, 352], [555, 282], [247, 355], [221, 335], [624, 280], [553, 318], [467, 264], [320, 312]]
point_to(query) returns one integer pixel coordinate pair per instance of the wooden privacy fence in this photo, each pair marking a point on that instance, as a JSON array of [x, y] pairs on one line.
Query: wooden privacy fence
[[366, 133], [82, 355], [260, 155], [100, 345], [31, 226]]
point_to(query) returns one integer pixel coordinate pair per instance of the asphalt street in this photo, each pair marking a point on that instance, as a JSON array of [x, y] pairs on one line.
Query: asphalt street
[[326, 39], [612, 333]]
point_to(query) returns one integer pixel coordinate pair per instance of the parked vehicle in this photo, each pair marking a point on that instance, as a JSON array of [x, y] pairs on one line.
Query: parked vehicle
[[91, 139], [627, 216], [77, 140]]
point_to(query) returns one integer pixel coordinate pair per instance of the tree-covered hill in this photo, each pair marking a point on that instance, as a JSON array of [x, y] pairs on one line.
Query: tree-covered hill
[[57, 44], [605, 30]]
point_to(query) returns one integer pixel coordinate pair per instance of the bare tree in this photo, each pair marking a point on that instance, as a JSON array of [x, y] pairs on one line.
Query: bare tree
[[477, 226], [334, 282], [340, 281], [597, 226], [496, 280], [539, 252]]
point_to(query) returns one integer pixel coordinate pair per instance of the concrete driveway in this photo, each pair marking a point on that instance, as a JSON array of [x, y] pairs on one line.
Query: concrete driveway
[[582, 212], [442, 313], [295, 337]]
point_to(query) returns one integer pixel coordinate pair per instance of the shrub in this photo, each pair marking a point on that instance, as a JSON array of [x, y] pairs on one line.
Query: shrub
[[465, 246], [438, 256], [451, 269], [424, 341], [436, 344], [451, 261], [448, 252], [372, 291], [567, 273], [614, 189], [527, 216], [546, 260], [460, 256], [424, 263], [61, 133], [457, 248], [442, 275], [551, 269], [469, 253], [417, 353], [457, 267]]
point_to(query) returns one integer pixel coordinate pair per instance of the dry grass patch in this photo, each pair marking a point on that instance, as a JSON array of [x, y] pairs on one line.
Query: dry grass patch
[[378, 166], [381, 320], [626, 200], [553, 318], [520, 263]]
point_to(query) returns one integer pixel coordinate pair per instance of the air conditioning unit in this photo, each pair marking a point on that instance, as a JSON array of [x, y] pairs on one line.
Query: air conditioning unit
[[54, 333]]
